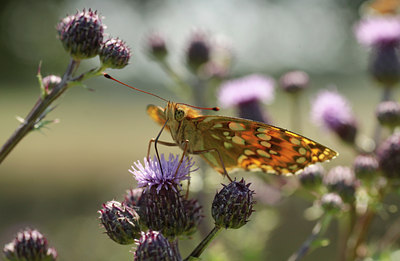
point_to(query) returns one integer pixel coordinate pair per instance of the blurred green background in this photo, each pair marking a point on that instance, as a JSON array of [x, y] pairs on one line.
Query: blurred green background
[[55, 180]]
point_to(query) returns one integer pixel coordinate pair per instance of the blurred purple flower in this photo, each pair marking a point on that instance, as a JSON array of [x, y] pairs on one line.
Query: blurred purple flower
[[150, 174], [294, 81], [246, 93], [378, 31], [333, 111], [245, 89]]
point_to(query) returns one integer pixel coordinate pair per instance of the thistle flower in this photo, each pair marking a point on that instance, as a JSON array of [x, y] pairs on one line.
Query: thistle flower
[[378, 31], [120, 221], [332, 203], [383, 35], [29, 244], [81, 34], [114, 53], [388, 114], [388, 155], [294, 81], [365, 167], [156, 47], [150, 174], [311, 176], [198, 51], [246, 93], [342, 181], [333, 111], [233, 205], [132, 197], [152, 245], [49, 82]]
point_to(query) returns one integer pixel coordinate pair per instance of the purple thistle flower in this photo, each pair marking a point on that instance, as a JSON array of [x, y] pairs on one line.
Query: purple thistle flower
[[245, 89], [378, 31], [246, 93], [150, 174], [333, 111]]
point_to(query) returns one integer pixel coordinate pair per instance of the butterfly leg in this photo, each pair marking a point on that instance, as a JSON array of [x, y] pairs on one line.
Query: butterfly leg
[[166, 143], [220, 159]]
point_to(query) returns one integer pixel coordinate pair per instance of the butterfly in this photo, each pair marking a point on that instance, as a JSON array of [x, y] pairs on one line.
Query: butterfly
[[228, 143]]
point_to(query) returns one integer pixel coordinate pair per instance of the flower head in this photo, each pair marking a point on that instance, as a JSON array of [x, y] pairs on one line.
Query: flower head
[[114, 53], [333, 111], [150, 174], [233, 205], [388, 113], [156, 46], [294, 81], [331, 203], [195, 213], [365, 167], [341, 180], [198, 50], [132, 197], [389, 156], [378, 31], [152, 245], [311, 176], [81, 34], [249, 88], [29, 244], [120, 221]]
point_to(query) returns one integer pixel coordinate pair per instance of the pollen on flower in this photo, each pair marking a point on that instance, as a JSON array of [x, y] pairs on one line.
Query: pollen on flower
[[150, 174]]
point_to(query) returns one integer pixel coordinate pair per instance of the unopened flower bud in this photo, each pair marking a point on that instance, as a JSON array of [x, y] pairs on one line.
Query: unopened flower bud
[[388, 113], [331, 203], [156, 46], [115, 54], [198, 51], [233, 205], [29, 245], [342, 181], [389, 156], [294, 81], [81, 34], [311, 176], [132, 197], [121, 222], [366, 167], [195, 215], [152, 245]]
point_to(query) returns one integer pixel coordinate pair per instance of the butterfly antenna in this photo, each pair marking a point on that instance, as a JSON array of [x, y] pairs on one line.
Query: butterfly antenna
[[136, 89], [201, 108]]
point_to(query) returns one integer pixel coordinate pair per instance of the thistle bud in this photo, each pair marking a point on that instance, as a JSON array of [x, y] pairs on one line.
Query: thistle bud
[[157, 49], [81, 34], [311, 176], [294, 81], [154, 246], [121, 222], [389, 156], [114, 53], [49, 82], [388, 113], [198, 51], [342, 181], [366, 167], [29, 245], [233, 205], [331, 203]]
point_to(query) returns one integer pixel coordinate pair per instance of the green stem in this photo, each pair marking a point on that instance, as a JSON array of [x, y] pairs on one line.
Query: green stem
[[318, 230], [42, 105], [203, 244]]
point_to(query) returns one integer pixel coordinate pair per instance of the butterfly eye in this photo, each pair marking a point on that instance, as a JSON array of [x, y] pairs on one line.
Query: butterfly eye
[[179, 114]]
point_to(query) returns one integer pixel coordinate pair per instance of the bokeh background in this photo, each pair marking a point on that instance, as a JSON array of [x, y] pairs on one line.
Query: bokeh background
[[56, 179]]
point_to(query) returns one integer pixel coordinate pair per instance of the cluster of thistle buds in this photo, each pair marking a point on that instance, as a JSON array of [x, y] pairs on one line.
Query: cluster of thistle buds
[[158, 212]]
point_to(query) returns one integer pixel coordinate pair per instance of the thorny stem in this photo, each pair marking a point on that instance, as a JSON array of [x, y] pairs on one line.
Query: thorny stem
[[317, 231], [386, 96], [203, 244], [42, 105]]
